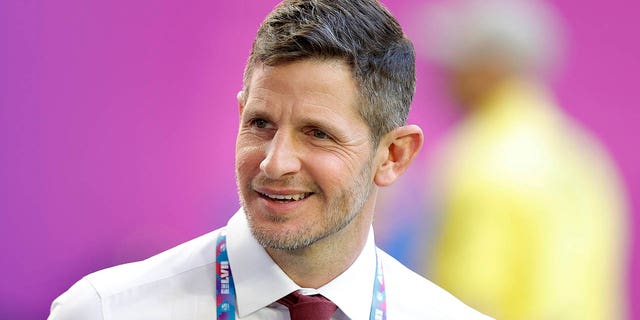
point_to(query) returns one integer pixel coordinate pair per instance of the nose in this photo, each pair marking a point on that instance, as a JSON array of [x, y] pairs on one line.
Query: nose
[[282, 156]]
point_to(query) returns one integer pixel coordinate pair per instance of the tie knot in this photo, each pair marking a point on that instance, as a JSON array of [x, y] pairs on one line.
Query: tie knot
[[315, 307]]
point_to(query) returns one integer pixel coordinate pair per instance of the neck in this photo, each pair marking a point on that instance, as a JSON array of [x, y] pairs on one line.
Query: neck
[[323, 261]]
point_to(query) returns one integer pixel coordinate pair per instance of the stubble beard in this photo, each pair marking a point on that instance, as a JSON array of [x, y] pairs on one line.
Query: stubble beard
[[340, 213]]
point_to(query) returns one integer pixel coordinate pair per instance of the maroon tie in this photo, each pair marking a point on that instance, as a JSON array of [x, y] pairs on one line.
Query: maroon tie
[[303, 307]]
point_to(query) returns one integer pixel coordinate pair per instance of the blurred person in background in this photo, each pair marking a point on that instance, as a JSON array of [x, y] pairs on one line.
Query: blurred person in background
[[530, 209]]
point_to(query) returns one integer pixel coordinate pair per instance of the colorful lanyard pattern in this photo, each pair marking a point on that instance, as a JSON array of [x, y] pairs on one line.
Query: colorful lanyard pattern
[[226, 292]]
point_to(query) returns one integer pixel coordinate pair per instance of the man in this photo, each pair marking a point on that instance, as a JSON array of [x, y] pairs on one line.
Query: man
[[326, 92], [532, 217]]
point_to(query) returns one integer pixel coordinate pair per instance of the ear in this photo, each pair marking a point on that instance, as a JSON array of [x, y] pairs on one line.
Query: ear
[[397, 150], [241, 101]]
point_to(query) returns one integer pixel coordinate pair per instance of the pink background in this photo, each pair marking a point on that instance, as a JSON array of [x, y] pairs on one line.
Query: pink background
[[118, 119]]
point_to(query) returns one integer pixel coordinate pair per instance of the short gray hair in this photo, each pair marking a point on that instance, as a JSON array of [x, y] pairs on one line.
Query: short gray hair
[[360, 32]]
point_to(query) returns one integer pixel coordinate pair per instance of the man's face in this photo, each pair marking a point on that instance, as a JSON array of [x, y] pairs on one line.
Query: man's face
[[303, 153]]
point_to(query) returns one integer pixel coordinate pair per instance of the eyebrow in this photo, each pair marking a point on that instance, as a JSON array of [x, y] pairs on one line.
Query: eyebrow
[[320, 123], [255, 107], [260, 109], [336, 131]]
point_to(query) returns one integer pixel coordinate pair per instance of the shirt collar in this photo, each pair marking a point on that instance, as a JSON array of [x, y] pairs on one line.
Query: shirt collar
[[259, 281], [352, 291], [257, 278]]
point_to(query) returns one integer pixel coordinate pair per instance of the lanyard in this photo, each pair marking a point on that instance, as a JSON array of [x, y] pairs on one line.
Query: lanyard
[[226, 292]]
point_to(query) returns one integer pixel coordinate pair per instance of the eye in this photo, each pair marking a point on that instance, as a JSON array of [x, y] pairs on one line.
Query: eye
[[259, 123], [319, 134]]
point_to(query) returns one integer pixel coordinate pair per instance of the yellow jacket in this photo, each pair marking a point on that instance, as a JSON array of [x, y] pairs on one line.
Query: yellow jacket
[[532, 214]]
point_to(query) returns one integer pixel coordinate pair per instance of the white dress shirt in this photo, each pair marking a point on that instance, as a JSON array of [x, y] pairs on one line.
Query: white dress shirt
[[180, 284]]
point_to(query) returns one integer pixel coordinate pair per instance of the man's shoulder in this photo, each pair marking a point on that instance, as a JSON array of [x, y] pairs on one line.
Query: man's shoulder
[[182, 271], [410, 295], [189, 256]]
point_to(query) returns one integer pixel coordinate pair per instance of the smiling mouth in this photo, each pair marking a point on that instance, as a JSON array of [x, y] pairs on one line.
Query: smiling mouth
[[285, 198]]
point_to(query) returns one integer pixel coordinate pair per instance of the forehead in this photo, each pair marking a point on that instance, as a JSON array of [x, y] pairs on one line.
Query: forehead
[[311, 82]]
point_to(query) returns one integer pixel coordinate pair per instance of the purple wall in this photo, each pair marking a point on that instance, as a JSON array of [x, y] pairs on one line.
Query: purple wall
[[117, 125]]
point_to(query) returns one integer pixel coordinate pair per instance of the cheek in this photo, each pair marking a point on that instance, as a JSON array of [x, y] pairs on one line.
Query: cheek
[[333, 173], [247, 159]]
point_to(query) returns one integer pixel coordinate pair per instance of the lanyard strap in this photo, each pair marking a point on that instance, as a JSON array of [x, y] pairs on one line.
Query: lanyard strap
[[379, 300], [226, 292]]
